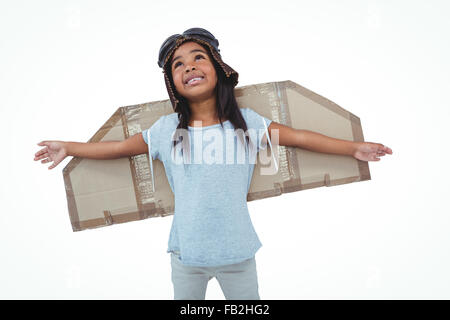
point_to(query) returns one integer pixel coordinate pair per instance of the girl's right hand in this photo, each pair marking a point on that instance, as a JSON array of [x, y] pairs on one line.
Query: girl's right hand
[[54, 151]]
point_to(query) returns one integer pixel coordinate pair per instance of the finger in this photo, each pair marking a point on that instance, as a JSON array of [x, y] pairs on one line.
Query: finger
[[386, 149], [42, 151], [53, 165], [42, 143], [45, 155]]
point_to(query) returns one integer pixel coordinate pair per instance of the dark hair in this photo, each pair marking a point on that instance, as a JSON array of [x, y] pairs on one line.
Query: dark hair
[[226, 107]]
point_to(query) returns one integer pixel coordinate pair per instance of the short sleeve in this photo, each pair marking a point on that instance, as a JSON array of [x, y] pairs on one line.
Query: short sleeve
[[260, 124], [153, 134]]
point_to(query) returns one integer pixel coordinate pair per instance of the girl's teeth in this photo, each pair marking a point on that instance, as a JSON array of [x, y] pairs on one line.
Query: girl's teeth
[[195, 79]]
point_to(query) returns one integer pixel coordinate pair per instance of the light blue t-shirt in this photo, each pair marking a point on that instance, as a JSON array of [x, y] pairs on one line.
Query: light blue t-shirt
[[211, 224]]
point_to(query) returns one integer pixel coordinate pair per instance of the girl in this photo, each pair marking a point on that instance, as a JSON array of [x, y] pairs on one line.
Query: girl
[[212, 234]]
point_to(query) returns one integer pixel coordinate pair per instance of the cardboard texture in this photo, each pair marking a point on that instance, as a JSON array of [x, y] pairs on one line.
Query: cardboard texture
[[105, 192]]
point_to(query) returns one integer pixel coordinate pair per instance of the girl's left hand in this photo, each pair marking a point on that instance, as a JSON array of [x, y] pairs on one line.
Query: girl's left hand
[[368, 151]]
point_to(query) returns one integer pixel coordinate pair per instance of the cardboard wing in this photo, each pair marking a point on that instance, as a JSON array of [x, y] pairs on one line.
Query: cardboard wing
[[106, 192]]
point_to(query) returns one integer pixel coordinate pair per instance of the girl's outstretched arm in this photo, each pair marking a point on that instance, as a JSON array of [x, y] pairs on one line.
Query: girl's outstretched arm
[[57, 151], [314, 141]]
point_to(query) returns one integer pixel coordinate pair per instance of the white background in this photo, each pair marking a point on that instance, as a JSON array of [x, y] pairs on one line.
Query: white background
[[66, 66]]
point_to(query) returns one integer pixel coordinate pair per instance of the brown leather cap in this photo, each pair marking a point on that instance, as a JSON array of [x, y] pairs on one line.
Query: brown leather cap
[[200, 36]]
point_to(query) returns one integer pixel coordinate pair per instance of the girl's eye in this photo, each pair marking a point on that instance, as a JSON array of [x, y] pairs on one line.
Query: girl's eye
[[199, 55]]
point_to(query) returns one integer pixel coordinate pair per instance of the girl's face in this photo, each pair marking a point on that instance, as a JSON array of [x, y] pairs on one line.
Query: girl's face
[[190, 60]]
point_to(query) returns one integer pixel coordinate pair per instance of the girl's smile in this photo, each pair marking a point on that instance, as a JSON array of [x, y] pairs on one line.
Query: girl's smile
[[194, 81]]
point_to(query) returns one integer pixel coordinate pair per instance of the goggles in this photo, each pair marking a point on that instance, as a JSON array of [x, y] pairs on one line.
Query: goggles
[[174, 40]]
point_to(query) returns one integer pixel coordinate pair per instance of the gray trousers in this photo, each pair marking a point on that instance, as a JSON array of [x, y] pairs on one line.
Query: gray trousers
[[238, 281]]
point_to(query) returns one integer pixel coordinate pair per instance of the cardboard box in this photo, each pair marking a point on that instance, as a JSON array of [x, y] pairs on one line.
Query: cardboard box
[[105, 192]]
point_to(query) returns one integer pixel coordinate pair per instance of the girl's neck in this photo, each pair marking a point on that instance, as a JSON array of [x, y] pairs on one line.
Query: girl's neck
[[204, 111]]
